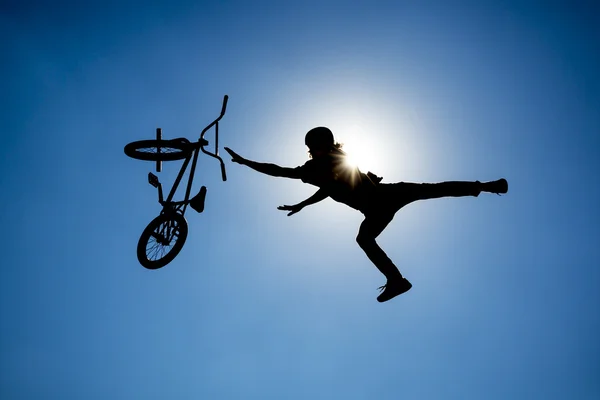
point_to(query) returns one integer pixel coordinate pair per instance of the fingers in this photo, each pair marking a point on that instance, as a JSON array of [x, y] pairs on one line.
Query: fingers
[[231, 152], [234, 156], [293, 210]]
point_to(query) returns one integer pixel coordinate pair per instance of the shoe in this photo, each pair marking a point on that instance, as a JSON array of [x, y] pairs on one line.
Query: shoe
[[393, 288], [499, 187]]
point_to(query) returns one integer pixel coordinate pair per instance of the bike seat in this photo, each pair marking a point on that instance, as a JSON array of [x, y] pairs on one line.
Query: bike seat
[[197, 203]]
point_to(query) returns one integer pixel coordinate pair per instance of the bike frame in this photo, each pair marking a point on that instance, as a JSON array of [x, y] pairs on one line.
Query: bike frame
[[180, 206]]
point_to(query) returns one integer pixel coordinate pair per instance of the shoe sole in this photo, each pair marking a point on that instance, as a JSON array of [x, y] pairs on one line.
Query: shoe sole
[[404, 290]]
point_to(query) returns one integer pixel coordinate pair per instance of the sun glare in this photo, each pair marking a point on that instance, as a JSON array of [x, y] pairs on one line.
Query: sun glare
[[359, 152]]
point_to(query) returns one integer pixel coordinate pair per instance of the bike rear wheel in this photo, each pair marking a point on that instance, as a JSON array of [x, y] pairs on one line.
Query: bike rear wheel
[[162, 240], [158, 150]]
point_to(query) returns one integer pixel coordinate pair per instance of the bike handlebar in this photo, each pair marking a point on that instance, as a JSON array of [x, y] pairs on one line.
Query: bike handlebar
[[225, 99], [215, 123]]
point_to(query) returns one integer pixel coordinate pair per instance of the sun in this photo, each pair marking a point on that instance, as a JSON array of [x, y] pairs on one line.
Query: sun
[[359, 152]]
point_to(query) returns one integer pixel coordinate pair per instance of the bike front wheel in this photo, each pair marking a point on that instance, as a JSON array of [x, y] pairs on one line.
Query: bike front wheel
[[162, 240], [158, 150]]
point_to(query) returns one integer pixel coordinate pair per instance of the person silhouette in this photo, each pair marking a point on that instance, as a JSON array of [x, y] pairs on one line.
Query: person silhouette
[[378, 202]]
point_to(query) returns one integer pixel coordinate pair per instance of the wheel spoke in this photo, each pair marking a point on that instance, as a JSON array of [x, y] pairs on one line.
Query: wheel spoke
[[155, 150], [162, 240], [158, 150], [154, 250], [168, 230], [153, 246]]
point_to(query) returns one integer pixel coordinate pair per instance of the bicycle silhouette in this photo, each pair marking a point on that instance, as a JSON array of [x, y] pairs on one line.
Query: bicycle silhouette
[[165, 235]]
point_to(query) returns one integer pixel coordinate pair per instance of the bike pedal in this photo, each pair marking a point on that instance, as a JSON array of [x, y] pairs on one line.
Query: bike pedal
[[153, 179], [197, 203]]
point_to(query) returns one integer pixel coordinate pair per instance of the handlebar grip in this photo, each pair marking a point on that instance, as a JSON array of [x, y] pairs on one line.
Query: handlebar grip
[[223, 174], [225, 99]]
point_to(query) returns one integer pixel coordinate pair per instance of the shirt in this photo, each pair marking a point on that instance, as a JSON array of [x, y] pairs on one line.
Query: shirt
[[342, 182]]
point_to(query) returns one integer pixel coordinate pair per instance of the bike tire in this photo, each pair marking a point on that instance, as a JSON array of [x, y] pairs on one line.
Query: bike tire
[[162, 240], [158, 150]]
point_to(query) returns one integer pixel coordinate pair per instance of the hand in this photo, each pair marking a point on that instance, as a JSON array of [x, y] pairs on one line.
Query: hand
[[235, 157], [293, 209]]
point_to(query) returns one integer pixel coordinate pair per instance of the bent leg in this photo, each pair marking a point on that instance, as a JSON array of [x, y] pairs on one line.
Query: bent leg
[[370, 228]]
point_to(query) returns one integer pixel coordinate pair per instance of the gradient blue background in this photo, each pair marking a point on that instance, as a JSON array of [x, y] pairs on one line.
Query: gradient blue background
[[505, 303]]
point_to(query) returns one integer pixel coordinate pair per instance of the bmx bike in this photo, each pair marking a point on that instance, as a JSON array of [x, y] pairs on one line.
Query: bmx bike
[[165, 235]]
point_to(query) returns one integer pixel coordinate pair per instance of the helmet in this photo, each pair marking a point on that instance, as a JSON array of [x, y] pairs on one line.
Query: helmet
[[319, 137]]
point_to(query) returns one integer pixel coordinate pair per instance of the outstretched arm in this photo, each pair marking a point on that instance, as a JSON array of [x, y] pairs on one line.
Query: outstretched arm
[[315, 198], [269, 169]]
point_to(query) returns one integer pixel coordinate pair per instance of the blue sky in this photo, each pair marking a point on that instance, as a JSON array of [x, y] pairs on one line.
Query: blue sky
[[258, 305]]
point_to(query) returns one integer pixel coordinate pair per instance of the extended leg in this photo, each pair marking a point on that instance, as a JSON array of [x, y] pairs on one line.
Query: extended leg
[[422, 191]]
